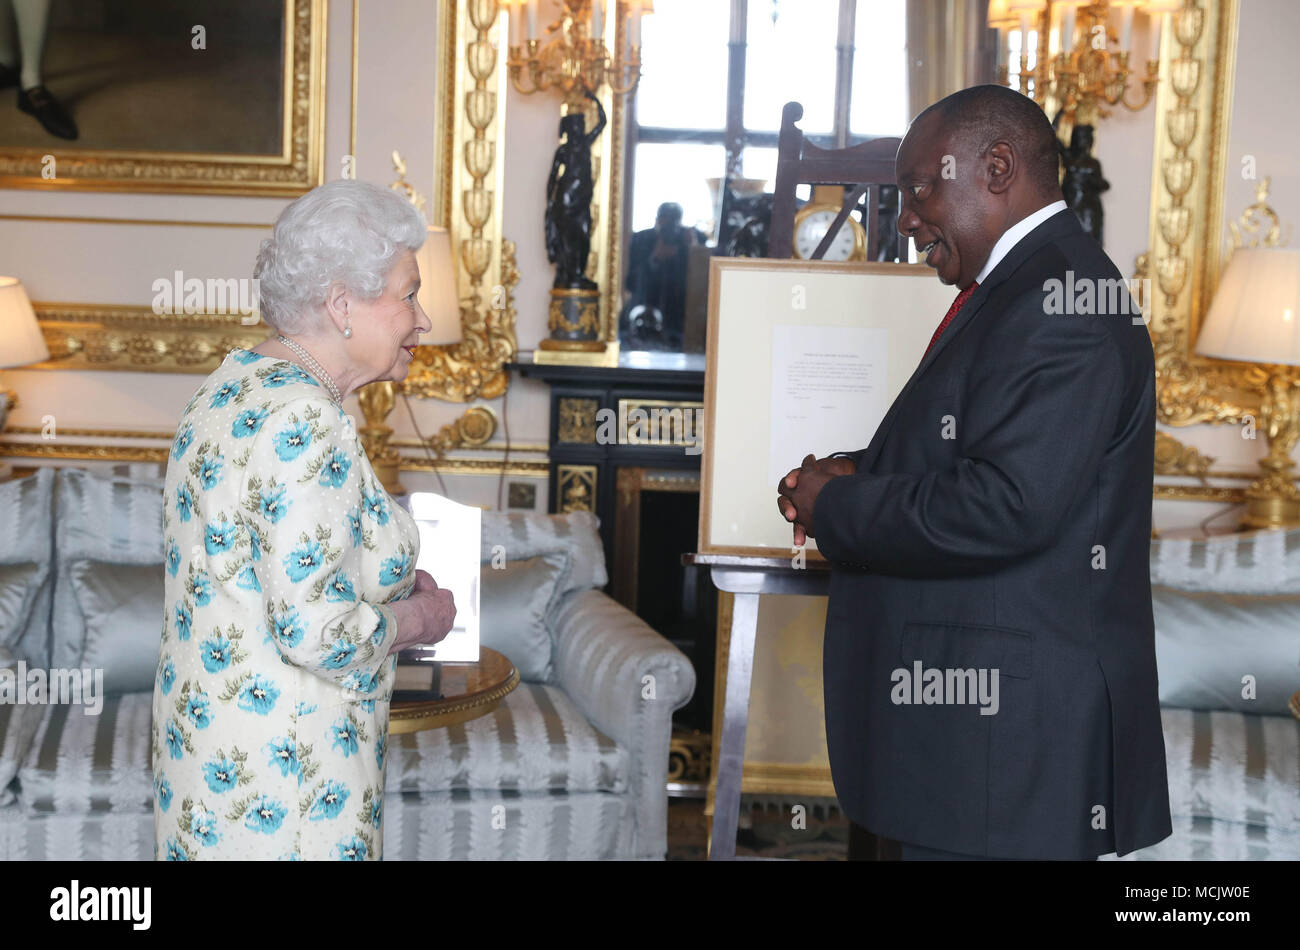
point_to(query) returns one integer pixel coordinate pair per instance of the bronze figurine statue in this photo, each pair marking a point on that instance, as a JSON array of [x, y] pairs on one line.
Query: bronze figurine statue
[[1083, 182], [568, 201]]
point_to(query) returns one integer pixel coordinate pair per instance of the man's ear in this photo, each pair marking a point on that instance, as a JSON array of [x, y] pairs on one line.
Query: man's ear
[[338, 305], [1003, 167]]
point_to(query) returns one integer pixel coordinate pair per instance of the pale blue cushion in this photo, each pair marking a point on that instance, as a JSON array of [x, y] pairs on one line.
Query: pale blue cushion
[[26, 566], [1207, 642], [115, 520], [515, 601], [516, 535], [121, 606]]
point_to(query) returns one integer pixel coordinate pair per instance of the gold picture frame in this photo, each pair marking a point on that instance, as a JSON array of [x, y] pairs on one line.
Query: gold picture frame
[[297, 168]]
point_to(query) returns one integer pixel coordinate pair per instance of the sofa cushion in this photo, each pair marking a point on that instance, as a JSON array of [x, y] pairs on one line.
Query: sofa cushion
[[1207, 642], [127, 836], [1233, 766], [116, 520], [517, 535], [18, 724], [1259, 562], [26, 566], [84, 764], [121, 606], [493, 825], [535, 739], [516, 601]]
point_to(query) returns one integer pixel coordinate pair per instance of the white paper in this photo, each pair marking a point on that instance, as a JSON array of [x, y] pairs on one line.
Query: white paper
[[450, 537], [830, 391]]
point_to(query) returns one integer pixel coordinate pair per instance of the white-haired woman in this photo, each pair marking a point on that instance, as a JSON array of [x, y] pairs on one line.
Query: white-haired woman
[[290, 574]]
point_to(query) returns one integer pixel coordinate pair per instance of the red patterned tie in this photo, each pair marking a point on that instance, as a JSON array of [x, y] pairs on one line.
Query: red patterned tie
[[952, 312]]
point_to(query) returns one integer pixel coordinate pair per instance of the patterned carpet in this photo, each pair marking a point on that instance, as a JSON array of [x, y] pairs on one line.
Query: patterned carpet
[[768, 829]]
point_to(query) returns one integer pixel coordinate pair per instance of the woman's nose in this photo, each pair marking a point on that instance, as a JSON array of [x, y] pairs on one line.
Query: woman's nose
[[422, 322]]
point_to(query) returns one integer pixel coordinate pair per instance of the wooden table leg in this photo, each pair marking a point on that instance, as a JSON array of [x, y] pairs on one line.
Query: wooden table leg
[[735, 718]]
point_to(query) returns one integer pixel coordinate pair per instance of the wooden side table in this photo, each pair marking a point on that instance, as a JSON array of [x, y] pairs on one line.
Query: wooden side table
[[466, 691]]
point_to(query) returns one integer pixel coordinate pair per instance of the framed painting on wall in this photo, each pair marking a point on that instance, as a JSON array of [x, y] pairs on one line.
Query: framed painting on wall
[[209, 96]]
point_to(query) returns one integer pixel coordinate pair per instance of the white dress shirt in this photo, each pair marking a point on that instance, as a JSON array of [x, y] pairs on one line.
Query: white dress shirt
[[1013, 235]]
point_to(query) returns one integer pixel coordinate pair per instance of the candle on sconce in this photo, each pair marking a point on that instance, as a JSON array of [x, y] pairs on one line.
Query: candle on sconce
[[1067, 29], [1125, 26], [634, 25], [532, 19], [513, 13], [596, 24], [1024, 41]]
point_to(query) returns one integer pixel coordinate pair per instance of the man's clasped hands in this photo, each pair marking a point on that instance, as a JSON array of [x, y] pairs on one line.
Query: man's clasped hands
[[797, 492]]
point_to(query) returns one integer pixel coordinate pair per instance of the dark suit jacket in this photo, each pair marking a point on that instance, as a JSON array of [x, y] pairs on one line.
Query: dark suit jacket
[[1001, 518]]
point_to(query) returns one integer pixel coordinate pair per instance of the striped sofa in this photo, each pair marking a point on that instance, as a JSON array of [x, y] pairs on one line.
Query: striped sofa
[[1227, 615], [577, 762]]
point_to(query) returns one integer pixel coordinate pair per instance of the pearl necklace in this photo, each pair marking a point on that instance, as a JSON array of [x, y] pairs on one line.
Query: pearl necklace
[[316, 369]]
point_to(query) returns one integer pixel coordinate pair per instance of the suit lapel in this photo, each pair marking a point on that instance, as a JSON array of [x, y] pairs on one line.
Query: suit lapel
[[1059, 225]]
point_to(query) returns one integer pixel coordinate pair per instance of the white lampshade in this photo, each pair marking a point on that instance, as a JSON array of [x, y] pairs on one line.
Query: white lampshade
[[1255, 316], [21, 342], [438, 295], [1000, 15]]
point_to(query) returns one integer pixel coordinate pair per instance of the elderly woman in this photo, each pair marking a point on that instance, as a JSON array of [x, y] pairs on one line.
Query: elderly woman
[[290, 574]]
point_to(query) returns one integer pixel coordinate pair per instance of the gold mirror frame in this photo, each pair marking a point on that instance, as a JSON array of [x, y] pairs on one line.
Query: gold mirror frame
[[467, 200], [295, 170], [1189, 164]]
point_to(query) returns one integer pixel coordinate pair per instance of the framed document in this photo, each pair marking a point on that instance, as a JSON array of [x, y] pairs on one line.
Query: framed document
[[802, 356]]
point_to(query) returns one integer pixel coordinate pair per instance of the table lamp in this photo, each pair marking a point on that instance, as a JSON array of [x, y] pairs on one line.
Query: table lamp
[[21, 343], [1255, 318], [438, 295]]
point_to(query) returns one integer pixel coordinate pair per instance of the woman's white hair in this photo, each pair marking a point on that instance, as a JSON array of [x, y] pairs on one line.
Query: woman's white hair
[[345, 231]]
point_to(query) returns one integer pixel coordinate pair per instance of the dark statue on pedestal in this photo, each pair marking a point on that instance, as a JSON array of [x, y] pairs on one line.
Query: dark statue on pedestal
[[745, 224], [1083, 182], [568, 201]]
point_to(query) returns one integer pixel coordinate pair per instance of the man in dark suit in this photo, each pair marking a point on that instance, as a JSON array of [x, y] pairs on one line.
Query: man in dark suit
[[989, 661]]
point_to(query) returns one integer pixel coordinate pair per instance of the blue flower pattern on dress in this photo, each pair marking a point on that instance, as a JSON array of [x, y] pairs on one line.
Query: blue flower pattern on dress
[[274, 674], [184, 502], [249, 422], [184, 436]]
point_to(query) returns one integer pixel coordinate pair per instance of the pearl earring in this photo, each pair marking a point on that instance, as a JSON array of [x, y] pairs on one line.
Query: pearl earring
[[347, 331]]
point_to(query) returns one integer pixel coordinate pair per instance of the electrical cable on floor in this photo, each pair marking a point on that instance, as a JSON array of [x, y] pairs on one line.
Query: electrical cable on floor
[[1218, 514], [433, 458], [505, 459]]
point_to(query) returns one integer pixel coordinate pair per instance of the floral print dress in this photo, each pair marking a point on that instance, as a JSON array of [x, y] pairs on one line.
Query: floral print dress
[[270, 710]]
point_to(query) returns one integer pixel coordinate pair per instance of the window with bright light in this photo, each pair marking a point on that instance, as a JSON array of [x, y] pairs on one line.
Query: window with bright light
[[790, 56], [692, 117]]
